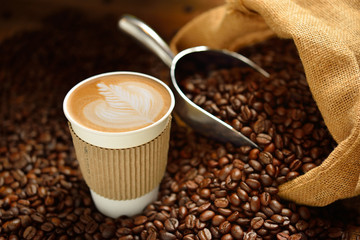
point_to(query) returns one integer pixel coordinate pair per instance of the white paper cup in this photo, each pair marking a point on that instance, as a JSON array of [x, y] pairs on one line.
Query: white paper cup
[[122, 169]]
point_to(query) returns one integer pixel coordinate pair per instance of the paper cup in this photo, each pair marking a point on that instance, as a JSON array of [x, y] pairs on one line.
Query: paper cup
[[122, 169]]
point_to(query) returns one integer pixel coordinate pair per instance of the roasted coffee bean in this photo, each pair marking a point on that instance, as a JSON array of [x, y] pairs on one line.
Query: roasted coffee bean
[[301, 225], [257, 222], [297, 236], [204, 207], [233, 217], [265, 198], [270, 170], [31, 189], [237, 232], [270, 225], [225, 227], [307, 167], [140, 220], [275, 206], [190, 221], [47, 227], [11, 225], [235, 174], [221, 202], [217, 220], [245, 187], [108, 231], [29, 232], [207, 215], [253, 183], [243, 195], [277, 218], [265, 157], [171, 224], [282, 236], [255, 203], [167, 235], [91, 227], [204, 234], [263, 139], [159, 225], [224, 211], [304, 212]]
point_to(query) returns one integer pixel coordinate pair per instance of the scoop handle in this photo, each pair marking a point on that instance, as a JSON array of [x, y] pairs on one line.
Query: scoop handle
[[147, 36]]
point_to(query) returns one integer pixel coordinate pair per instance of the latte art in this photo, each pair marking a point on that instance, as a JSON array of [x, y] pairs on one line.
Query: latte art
[[124, 105], [119, 103]]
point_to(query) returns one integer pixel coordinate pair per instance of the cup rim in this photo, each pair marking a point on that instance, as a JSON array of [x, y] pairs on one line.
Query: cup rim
[[73, 121]]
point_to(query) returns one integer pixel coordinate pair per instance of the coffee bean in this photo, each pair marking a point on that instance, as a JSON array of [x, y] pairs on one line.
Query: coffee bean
[[220, 193], [275, 206], [233, 217], [79, 228], [277, 218], [221, 202], [304, 212], [307, 167], [31, 189], [171, 224], [242, 194], [140, 220], [225, 227], [235, 174], [253, 183], [256, 165], [158, 224], [207, 215], [255, 203], [257, 222], [190, 221], [167, 235], [108, 231], [265, 157], [244, 186], [292, 175], [217, 220], [91, 227], [266, 180], [297, 236], [263, 139], [301, 225], [205, 193], [204, 234], [204, 207], [265, 198], [270, 225], [282, 236], [29, 232], [234, 199], [12, 225], [47, 227]]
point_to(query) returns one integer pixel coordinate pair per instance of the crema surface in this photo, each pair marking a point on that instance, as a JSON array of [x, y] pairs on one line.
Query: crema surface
[[118, 103]]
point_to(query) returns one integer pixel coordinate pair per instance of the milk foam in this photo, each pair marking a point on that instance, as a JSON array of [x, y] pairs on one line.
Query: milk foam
[[124, 105]]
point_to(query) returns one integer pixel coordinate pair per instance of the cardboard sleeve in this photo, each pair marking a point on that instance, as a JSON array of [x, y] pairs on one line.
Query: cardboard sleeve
[[123, 174]]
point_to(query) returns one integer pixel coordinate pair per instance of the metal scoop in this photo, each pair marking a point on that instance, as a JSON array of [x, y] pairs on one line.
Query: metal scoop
[[192, 60]]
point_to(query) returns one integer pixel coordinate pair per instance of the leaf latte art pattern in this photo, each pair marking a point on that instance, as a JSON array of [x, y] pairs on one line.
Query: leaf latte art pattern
[[124, 105]]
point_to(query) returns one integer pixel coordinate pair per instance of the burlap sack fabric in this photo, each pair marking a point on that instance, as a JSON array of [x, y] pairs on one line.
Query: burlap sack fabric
[[327, 36]]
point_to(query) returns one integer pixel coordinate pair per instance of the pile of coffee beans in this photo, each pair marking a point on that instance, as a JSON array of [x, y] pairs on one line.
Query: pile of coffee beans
[[210, 190]]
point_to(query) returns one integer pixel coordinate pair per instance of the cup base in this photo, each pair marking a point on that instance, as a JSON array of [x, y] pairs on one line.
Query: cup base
[[117, 208]]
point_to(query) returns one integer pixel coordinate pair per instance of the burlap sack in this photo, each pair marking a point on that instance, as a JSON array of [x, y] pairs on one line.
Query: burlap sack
[[327, 36]]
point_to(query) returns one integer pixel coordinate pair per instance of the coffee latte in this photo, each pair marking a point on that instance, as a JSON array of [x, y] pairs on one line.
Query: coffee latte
[[118, 103]]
